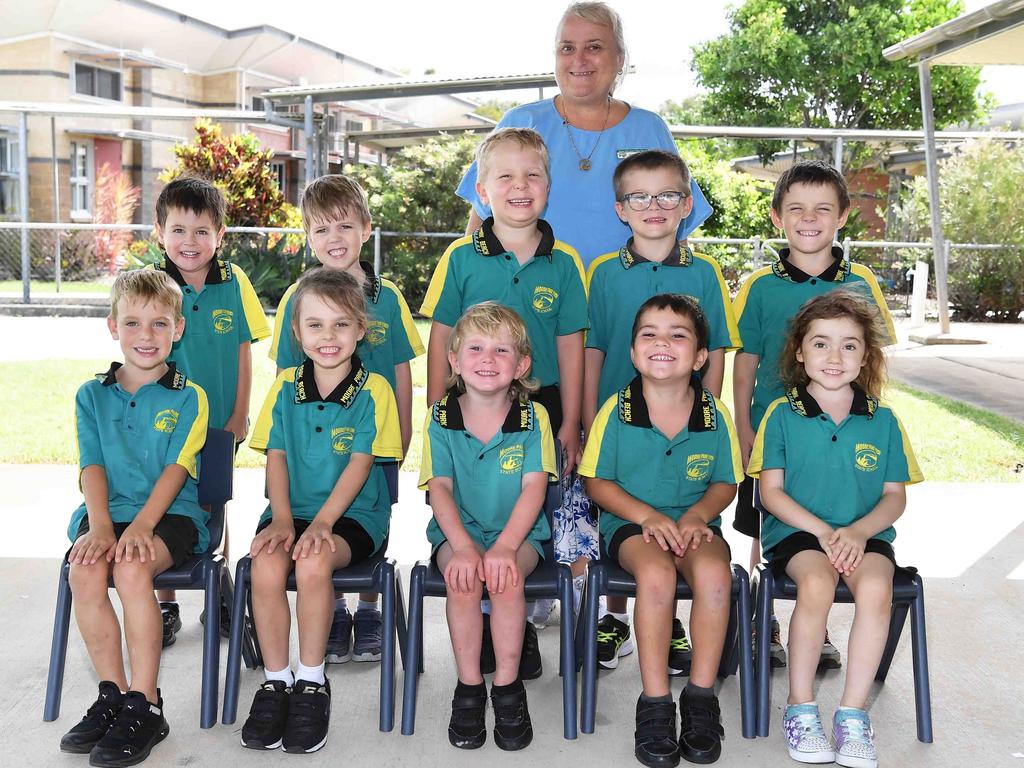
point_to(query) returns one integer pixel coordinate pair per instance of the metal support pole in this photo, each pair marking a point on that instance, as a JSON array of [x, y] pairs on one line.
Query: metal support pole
[[837, 154], [376, 251], [56, 203], [26, 262], [932, 170], [846, 249], [758, 252], [307, 128]]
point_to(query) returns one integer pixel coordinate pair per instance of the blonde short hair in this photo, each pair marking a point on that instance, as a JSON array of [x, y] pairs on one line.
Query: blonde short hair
[[525, 138], [489, 318], [606, 16], [333, 286], [332, 197], [146, 285]]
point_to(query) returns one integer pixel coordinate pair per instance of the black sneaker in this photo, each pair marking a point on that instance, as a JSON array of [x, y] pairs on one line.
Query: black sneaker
[[487, 662], [225, 619], [309, 713], [97, 721], [264, 728], [466, 728], [140, 726], [700, 729], [530, 665], [172, 623], [654, 740], [613, 640], [776, 650], [512, 727], [829, 658], [680, 652]]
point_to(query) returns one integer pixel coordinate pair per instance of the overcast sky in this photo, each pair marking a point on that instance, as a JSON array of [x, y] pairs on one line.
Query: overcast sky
[[459, 38]]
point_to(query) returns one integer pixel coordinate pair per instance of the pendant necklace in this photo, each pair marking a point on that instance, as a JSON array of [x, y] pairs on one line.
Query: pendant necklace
[[584, 162]]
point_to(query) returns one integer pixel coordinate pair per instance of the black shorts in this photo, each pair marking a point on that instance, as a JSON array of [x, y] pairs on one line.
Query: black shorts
[[611, 553], [345, 528], [802, 541], [551, 398], [177, 532], [747, 519]]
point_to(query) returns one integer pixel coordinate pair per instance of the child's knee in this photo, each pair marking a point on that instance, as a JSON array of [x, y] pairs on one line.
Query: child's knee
[[511, 596], [712, 580], [314, 571], [133, 576], [89, 581], [656, 579], [875, 591], [817, 587]]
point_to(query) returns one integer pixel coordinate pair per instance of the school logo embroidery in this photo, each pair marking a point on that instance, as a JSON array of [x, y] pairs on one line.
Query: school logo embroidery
[[511, 459], [867, 457], [376, 332], [223, 320], [341, 439], [166, 421], [698, 466], [544, 299]]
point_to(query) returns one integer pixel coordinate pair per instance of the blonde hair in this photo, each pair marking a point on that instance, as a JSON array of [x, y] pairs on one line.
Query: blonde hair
[[489, 318], [606, 16], [146, 285], [333, 286], [840, 303], [524, 138], [332, 197]]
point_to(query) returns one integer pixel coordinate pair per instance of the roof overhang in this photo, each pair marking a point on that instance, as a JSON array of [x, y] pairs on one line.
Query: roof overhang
[[831, 134], [991, 35], [125, 135], [71, 109], [332, 92]]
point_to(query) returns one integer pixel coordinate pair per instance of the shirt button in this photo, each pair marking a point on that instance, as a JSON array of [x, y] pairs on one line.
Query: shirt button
[[823, 417], [507, 257], [481, 457], [195, 307], [668, 452], [132, 403], [320, 407], [834, 438], [319, 429], [515, 279], [655, 269], [813, 281]]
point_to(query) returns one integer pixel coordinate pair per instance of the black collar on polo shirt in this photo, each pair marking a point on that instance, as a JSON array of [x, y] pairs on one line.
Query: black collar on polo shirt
[[217, 272], [633, 407], [172, 379], [344, 394], [487, 244], [679, 256], [836, 272], [448, 414], [372, 285], [802, 403]]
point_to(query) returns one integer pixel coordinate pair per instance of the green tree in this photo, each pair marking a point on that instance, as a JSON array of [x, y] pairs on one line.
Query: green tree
[[818, 63], [495, 109]]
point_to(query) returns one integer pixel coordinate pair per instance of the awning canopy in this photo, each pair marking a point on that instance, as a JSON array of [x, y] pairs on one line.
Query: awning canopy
[[991, 35]]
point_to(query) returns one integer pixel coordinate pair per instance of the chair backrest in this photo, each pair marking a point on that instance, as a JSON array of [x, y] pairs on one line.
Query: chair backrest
[[391, 476], [216, 478], [552, 501]]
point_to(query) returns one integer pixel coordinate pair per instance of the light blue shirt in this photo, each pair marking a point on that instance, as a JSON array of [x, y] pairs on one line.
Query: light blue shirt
[[581, 204]]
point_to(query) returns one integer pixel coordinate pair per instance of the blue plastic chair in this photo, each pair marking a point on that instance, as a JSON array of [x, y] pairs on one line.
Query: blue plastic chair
[[603, 578], [378, 574], [907, 596], [205, 572], [551, 580]]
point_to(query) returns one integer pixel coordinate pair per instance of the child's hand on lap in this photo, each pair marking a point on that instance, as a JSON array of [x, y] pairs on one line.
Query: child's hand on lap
[[661, 528], [94, 544], [464, 569], [848, 548], [825, 540], [239, 425], [693, 531], [313, 539], [270, 538], [500, 568], [136, 537]]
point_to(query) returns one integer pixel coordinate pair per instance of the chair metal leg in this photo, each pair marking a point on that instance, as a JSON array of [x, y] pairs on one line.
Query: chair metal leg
[[896, 621], [400, 622], [762, 628], [727, 661], [211, 644], [238, 629], [58, 646], [387, 657], [588, 694], [413, 650], [748, 704], [567, 654], [922, 689]]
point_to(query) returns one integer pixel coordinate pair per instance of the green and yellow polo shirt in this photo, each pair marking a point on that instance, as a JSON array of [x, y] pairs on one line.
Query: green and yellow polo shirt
[[134, 437], [669, 473], [834, 471], [769, 299], [219, 318], [391, 336], [619, 283], [547, 291], [487, 479], [319, 433]]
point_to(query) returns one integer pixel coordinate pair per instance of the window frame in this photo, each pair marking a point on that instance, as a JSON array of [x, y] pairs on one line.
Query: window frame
[[96, 68]]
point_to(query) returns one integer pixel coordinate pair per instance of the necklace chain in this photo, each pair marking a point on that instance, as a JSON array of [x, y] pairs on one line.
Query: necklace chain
[[584, 162]]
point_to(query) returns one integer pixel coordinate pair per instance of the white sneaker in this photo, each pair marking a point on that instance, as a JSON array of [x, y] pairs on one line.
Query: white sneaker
[[805, 735], [855, 746]]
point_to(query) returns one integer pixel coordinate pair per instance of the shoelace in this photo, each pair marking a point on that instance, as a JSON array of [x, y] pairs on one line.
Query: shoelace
[[607, 636], [810, 725], [125, 727], [854, 729], [680, 643], [104, 709]]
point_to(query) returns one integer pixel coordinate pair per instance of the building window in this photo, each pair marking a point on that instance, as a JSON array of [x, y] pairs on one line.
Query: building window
[[277, 171], [97, 82], [353, 125], [81, 179], [257, 104], [8, 176]]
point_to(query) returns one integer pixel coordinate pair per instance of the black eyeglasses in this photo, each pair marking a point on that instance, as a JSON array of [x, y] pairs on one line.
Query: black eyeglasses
[[641, 201]]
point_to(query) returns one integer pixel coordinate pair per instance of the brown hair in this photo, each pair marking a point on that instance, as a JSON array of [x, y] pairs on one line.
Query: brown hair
[[525, 138], [189, 193], [338, 288], [811, 172], [489, 318], [146, 285], [652, 160], [333, 197], [840, 303]]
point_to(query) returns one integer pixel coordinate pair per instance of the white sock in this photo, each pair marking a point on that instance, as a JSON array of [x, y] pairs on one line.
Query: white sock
[[285, 676], [340, 604], [312, 674], [367, 605], [623, 617], [485, 607]]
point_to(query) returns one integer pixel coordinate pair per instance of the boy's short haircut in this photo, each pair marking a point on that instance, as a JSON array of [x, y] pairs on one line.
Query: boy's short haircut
[[333, 197], [189, 193], [526, 138], [652, 160], [812, 172], [146, 285], [684, 306], [489, 318], [336, 287]]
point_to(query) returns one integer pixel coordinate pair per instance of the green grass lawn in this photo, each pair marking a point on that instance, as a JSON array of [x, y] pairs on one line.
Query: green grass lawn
[[953, 441], [43, 286]]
